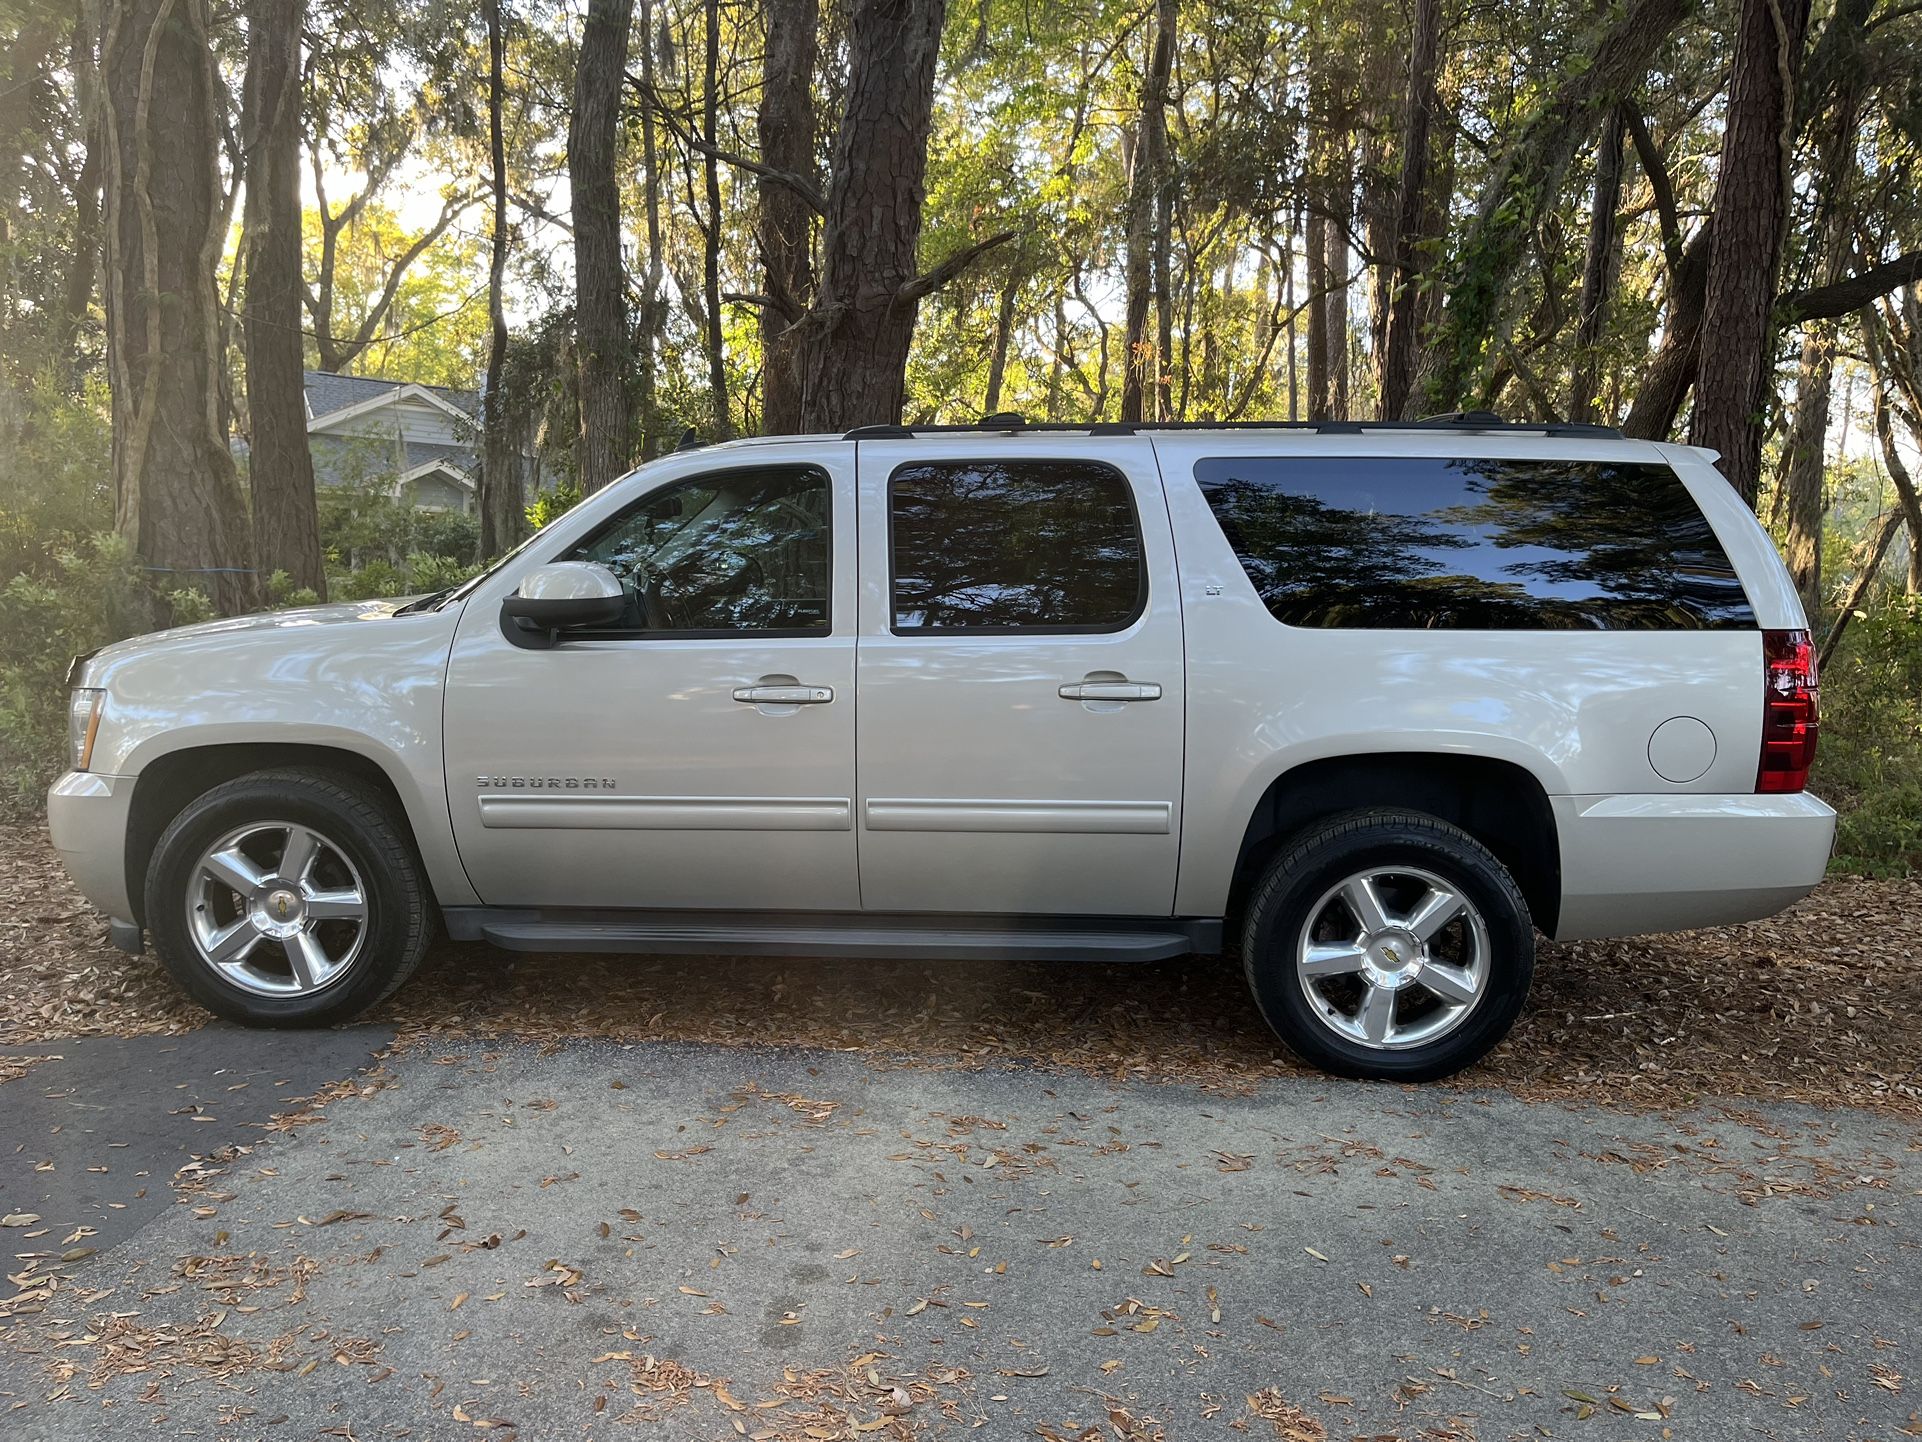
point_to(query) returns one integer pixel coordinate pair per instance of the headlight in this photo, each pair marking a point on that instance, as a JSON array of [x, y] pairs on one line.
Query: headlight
[[83, 723]]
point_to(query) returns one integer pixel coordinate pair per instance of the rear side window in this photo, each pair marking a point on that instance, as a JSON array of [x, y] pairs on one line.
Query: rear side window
[[1473, 544], [1014, 545]]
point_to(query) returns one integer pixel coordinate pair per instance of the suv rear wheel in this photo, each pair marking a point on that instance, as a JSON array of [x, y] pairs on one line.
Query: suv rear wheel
[[1389, 945], [287, 898]]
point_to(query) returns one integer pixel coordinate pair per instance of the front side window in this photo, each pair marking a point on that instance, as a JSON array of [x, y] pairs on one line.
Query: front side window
[[1473, 543], [1014, 545], [737, 550]]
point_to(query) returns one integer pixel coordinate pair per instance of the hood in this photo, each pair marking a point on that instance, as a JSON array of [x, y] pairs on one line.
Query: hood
[[301, 618]]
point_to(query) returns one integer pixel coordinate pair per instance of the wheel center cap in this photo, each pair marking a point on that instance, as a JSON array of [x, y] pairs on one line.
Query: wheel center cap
[[1392, 959], [280, 912]]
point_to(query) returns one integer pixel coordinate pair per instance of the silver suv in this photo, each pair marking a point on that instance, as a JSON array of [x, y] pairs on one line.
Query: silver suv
[[1369, 704]]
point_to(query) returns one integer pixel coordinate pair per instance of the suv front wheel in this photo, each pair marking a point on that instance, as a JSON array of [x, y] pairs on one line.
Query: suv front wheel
[[1389, 945], [287, 898]]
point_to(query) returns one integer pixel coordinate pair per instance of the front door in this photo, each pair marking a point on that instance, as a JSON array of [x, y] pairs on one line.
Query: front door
[[1020, 679], [699, 753]]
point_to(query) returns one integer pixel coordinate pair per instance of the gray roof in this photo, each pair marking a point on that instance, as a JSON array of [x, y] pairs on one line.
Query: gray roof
[[327, 393], [461, 457]]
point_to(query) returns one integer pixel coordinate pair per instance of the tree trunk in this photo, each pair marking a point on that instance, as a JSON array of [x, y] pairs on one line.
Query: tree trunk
[[176, 496], [280, 468], [1410, 257], [1004, 318], [786, 232], [854, 349], [1598, 271], [83, 262], [1658, 400], [1807, 444], [653, 306], [1526, 180], [714, 226], [502, 498], [1339, 197], [601, 348], [1146, 182], [1751, 201]]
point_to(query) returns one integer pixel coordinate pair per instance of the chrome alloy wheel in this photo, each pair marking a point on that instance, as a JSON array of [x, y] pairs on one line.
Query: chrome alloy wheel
[[277, 909], [1393, 958]]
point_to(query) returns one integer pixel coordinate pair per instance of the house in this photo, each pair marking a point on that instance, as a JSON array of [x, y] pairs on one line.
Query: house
[[420, 443]]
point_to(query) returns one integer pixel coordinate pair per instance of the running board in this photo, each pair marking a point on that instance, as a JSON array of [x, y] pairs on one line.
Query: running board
[[920, 938]]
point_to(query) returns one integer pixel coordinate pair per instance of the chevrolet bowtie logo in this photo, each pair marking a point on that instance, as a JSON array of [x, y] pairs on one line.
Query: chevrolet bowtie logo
[[1392, 954]]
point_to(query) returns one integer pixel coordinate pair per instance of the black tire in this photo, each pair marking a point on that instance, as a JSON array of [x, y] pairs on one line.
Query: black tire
[[1316, 862], [356, 822]]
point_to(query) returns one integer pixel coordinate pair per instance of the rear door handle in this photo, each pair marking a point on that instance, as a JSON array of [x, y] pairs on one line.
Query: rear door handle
[[784, 695], [1111, 691]]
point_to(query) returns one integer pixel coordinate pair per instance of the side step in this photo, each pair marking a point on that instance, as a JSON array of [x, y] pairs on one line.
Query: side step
[[920, 938]]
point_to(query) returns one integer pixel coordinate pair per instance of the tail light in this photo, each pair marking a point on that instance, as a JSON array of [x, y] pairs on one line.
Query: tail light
[[1789, 702]]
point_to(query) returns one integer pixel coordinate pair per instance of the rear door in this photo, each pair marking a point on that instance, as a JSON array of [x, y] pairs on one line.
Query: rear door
[[1019, 684]]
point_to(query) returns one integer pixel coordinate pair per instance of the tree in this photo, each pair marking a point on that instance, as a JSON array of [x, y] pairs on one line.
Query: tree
[[1751, 200], [501, 498], [1414, 208], [786, 223], [603, 359], [1598, 268], [1525, 181], [1147, 239], [280, 468], [177, 497], [855, 338]]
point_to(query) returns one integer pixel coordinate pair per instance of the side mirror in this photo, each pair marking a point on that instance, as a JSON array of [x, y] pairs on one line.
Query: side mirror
[[563, 595]]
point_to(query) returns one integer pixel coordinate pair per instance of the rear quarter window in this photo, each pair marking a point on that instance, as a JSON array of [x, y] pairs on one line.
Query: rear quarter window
[[1473, 544]]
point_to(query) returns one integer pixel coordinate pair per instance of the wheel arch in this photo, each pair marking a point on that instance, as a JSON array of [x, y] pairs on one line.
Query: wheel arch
[[1500, 803], [168, 783]]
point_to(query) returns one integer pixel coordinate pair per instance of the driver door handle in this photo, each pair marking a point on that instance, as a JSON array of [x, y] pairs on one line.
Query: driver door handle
[[1111, 691], [784, 695]]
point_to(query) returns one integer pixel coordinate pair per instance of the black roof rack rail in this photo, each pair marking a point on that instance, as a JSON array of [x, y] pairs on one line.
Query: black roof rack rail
[[1008, 423]]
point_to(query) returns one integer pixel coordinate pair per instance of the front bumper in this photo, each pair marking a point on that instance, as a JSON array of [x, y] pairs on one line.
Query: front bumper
[[1638, 864], [87, 815]]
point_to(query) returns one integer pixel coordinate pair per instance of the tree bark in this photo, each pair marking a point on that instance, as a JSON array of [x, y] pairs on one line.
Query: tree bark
[[1339, 197], [602, 356], [280, 468], [786, 229], [1809, 433], [854, 343], [1004, 318], [1651, 416], [1751, 203], [712, 226], [653, 307], [1146, 259], [83, 262], [1526, 181], [176, 495], [1598, 269], [502, 493], [1410, 256]]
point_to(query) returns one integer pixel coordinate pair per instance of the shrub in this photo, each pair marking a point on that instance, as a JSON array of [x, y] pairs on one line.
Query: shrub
[[1869, 763]]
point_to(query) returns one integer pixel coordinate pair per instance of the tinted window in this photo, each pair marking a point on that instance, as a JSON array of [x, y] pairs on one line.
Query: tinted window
[[1474, 544], [741, 550], [1014, 545]]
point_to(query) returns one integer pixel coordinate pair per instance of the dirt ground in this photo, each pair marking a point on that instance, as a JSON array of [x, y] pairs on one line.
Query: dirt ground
[[1822, 1004]]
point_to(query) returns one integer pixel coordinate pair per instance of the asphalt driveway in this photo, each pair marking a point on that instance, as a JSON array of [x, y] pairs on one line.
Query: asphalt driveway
[[694, 1241]]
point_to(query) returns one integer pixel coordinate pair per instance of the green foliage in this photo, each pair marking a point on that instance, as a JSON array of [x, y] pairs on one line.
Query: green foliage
[[1869, 761], [550, 506], [378, 546], [82, 599]]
